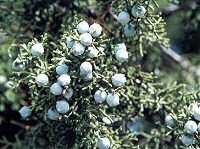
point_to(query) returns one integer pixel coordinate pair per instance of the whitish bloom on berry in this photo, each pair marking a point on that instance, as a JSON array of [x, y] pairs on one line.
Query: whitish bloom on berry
[[123, 17], [138, 11], [101, 48], [25, 112], [190, 127], [88, 77], [2, 79], [100, 96], [69, 42], [103, 143], [78, 49], [197, 113], [68, 93], [118, 79], [106, 120], [129, 30], [9, 85], [121, 55], [138, 81], [83, 27], [86, 39], [37, 50], [64, 80], [56, 89], [62, 69], [192, 107], [112, 100], [85, 68], [135, 126], [187, 140], [120, 46], [92, 52], [169, 121], [16, 65], [198, 127], [42, 80], [53, 114], [95, 30], [62, 106]]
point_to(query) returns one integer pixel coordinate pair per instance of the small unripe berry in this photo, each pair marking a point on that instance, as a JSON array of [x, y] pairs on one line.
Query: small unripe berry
[[25, 112], [78, 49], [129, 30], [169, 121], [62, 106], [83, 27], [37, 50], [187, 140], [53, 114], [112, 100], [86, 39], [103, 143], [123, 17], [100, 96], [95, 30], [68, 93], [138, 11], [64, 80], [42, 80], [118, 80], [62, 69], [92, 52], [190, 127], [56, 89], [16, 65]]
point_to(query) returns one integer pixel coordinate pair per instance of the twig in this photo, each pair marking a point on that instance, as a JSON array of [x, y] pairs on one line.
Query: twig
[[173, 9], [27, 127], [184, 63]]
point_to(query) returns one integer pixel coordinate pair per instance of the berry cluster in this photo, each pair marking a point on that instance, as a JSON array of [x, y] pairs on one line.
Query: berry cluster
[[79, 61], [191, 126], [123, 17]]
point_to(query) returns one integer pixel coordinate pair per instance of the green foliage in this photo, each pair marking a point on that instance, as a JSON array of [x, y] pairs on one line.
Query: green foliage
[[144, 100], [7, 96]]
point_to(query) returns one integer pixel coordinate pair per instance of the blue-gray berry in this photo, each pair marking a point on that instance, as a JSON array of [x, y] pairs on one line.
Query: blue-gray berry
[[62, 106], [25, 112]]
